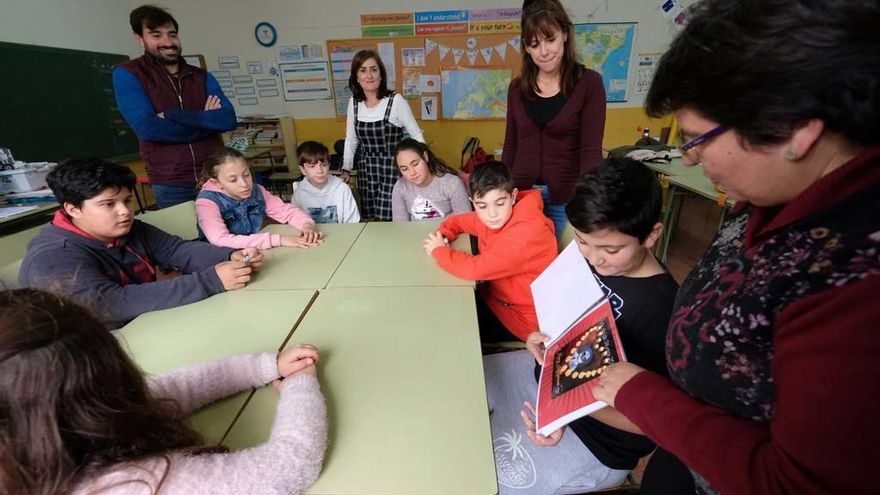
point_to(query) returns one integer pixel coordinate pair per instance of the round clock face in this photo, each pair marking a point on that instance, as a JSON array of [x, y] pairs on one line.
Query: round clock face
[[265, 34]]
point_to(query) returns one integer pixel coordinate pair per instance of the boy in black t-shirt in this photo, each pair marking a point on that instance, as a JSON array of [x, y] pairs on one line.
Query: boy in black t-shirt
[[615, 213]]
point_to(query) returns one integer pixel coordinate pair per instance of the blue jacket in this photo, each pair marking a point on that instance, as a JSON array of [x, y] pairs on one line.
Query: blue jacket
[[242, 217], [173, 147]]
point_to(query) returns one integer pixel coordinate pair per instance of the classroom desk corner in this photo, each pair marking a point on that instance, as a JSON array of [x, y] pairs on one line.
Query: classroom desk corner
[[401, 370], [290, 268], [390, 254], [238, 323]]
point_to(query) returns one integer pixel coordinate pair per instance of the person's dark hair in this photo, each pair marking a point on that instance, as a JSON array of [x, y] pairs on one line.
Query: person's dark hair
[[489, 176], [71, 400], [544, 17], [621, 194], [436, 166], [312, 152], [356, 63], [150, 17], [75, 181], [216, 158], [765, 67]]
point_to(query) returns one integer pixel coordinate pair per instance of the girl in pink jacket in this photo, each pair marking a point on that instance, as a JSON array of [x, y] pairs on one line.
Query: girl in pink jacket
[[231, 209]]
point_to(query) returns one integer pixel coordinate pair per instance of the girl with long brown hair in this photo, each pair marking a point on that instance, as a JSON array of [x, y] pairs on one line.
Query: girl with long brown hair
[[77, 415]]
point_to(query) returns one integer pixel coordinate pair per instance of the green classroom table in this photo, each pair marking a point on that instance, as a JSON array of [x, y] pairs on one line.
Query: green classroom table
[[680, 185], [675, 167], [390, 254], [179, 220], [220, 326], [289, 268], [401, 370]]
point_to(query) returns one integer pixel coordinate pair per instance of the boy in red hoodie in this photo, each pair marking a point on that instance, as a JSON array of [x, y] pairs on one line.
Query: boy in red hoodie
[[516, 242]]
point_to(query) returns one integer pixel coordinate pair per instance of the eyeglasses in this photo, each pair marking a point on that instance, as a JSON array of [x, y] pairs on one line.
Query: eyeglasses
[[702, 138]]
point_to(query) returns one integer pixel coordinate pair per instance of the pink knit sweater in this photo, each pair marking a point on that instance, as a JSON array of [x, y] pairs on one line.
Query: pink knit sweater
[[289, 462]]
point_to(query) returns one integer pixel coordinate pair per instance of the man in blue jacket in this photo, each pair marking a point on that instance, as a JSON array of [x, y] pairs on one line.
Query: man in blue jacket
[[97, 254], [177, 111]]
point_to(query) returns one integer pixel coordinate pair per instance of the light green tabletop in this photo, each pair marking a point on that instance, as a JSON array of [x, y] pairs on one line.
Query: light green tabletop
[[220, 326], [674, 168], [289, 268], [179, 220], [401, 370], [698, 184], [390, 254]]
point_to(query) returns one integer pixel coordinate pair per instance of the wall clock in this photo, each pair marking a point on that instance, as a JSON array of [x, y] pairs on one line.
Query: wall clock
[[265, 34]]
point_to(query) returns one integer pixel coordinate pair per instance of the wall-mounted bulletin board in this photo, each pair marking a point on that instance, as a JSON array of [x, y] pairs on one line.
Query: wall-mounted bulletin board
[[459, 77]]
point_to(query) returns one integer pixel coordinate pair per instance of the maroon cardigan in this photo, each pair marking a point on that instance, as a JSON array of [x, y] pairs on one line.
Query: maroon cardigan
[[568, 147], [822, 435]]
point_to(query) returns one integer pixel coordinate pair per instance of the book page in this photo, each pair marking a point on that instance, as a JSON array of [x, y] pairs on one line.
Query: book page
[[564, 291], [572, 364]]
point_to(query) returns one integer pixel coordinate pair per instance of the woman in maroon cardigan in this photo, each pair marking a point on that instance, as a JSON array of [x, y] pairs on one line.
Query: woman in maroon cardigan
[[773, 343], [555, 111]]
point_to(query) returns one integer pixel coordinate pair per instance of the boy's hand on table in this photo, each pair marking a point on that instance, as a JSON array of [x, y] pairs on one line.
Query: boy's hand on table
[[531, 430], [613, 379], [302, 358], [434, 240], [535, 345], [250, 255], [233, 274]]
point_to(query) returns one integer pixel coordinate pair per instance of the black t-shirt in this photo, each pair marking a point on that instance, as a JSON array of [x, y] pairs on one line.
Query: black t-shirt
[[642, 310], [542, 110]]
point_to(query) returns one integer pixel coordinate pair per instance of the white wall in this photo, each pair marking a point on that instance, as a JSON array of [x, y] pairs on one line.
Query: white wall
[[226, 27], [94, 25]]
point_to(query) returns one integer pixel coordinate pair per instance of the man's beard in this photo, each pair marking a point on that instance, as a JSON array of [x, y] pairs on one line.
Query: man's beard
[[165, 59]]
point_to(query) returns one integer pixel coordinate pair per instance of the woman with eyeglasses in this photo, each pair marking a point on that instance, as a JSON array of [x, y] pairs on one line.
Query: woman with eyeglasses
[[555, 111], [773, 341]]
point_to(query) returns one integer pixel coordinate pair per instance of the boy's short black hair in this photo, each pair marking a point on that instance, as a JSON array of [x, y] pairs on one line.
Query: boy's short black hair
[[311, 152], [621, 194], [75, 181], [489, 176], [151, 17]]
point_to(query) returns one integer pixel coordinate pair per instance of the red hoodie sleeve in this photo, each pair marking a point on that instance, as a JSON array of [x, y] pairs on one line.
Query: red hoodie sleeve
[[455, 225], [824, 436]]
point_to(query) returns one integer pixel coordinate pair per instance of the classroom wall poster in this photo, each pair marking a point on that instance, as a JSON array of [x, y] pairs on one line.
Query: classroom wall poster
[[429, 108], [387, 25], [412, 57], [495, 21], [227, 62], [647, 65], [303, 81], [302, 52]]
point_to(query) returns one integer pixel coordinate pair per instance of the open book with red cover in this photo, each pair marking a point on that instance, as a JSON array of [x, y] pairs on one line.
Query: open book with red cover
[[581, 347]]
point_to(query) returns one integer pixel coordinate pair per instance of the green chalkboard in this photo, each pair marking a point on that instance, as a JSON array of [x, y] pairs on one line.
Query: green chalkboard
[[57, 103]]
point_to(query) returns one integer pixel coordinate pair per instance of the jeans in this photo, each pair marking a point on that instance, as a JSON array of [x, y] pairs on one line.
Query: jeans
[[553, 211], [171, 194]]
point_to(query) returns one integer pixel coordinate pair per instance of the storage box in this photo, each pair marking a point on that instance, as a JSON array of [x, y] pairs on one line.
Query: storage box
[[24, 179]]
